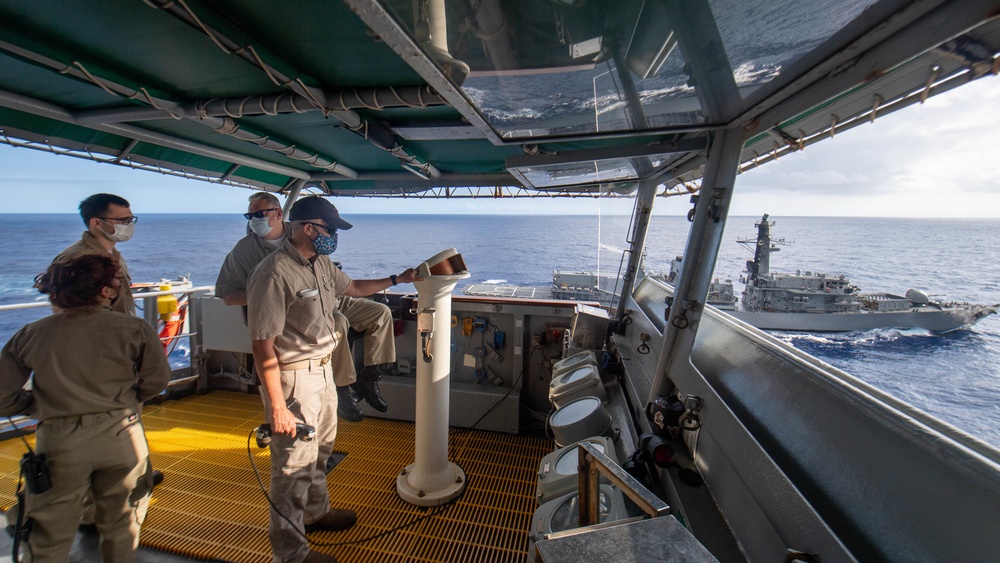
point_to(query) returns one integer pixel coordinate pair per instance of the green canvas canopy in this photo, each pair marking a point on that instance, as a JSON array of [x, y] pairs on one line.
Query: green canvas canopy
[[448, 98]]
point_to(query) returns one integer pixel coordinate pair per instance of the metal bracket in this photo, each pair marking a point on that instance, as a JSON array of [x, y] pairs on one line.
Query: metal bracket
[[594, 464], [691, 420]]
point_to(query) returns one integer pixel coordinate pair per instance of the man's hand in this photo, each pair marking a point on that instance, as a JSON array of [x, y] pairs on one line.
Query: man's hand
[[264, 356], [282, 420], [408, 276], [364, 288]]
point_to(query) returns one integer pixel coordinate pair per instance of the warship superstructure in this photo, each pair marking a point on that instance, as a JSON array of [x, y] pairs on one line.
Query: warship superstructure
[[817, 302]]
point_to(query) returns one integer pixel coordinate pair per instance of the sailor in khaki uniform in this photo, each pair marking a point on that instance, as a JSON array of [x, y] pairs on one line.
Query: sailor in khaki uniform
[[88, 407], [109, 220], [267, 233], [292, 307]]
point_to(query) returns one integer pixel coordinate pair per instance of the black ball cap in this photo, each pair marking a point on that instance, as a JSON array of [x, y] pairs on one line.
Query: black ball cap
[[315, 207]]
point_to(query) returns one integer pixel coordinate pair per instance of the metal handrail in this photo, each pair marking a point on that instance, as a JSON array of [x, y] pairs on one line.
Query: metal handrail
[[149, 313], [18, 306], [175, 291], [136, 296]]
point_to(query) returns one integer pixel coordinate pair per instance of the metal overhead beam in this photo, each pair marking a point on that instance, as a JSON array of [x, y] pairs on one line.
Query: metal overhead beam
[[946, 21], [673, 175], [640, 220], [408, 180], [633, 104], [123, 114], [251, 55], [623, 151], [342, 99], [837, 52], [88, 73], [376, 133], [375, 98], [758, 152], [701, 44], [490, 25], [953, 63], [51, 111], [464, 192], [700, 256], [23, 139], [376, 17]]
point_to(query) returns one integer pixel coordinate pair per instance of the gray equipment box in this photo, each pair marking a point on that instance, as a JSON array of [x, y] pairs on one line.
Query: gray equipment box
[[589, 327]]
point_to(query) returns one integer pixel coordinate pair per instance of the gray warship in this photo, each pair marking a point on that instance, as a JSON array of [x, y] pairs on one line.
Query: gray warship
[[817, 302], [721, 294]]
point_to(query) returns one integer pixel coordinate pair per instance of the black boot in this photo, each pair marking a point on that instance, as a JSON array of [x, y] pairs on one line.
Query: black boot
[[347, 405], [367, 388]]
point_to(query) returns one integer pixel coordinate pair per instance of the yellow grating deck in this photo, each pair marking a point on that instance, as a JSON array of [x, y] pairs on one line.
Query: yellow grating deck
[[210, 506]]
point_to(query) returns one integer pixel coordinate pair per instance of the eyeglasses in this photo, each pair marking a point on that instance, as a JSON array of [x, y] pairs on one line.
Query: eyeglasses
[[119, 220], [327, 228], [260, 214]]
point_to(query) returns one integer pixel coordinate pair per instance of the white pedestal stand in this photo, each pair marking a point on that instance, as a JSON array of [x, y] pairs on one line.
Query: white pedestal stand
[[432, 480]]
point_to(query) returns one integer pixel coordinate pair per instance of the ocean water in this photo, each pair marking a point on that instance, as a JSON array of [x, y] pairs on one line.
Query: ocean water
[[955, 376]]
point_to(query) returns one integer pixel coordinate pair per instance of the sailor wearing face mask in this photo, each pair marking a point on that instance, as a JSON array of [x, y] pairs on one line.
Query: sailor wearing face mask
[[109, 220], [91, 369], [267, 233], [292, 304]]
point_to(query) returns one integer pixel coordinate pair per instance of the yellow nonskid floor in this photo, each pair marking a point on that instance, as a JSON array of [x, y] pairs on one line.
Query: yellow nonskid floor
[[210, 506]]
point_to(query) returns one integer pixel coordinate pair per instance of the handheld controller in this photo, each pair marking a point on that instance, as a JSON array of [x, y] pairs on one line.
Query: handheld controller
[[303, 432]]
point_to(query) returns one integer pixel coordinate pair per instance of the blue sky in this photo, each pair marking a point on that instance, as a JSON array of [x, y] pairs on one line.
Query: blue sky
[[932, 160]]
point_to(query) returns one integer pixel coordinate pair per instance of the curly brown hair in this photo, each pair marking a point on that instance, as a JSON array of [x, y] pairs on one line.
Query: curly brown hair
[[78, 282]]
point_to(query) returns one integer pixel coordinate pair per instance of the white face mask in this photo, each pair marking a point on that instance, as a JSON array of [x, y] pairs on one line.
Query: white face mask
[[122, 233], [261, 226]]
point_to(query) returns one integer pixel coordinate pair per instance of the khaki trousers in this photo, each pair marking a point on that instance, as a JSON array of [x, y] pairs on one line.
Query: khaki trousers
[[367, 316], [106, 453], [298, 469]]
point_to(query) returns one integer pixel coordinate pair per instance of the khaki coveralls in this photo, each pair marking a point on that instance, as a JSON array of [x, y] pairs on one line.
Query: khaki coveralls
[[364, 315], [125, 303], [294, 302], [92, 368]]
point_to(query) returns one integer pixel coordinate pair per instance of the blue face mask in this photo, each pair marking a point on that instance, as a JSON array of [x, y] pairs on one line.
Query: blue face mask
[[325, 244]]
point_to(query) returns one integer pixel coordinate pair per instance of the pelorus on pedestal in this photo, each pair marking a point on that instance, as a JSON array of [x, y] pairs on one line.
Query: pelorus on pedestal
[[432, 480]]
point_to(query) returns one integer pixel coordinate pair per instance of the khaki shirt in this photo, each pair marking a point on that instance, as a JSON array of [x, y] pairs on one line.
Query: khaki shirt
[[242, 259], [280, 305], [84, 361], [89, 245]]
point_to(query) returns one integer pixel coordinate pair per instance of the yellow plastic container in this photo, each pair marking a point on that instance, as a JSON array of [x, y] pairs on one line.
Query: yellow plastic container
[[166, 305]]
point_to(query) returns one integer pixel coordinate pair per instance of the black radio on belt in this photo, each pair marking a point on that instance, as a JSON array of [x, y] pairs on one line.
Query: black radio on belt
[[36, 475]]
